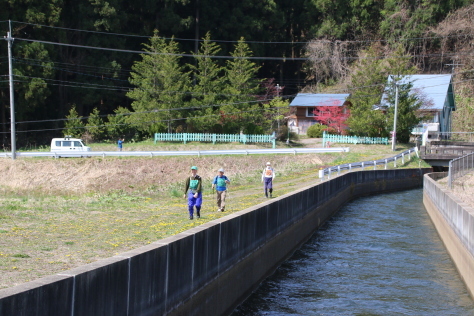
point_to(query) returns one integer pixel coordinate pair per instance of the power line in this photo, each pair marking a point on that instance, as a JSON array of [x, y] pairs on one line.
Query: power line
[[444, 55], [231, 41], [164, 54]]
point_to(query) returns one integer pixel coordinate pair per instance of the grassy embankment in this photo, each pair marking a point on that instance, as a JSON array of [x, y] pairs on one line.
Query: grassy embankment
[[56, 214]]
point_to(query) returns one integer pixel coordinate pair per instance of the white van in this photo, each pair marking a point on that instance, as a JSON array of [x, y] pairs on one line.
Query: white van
[[69, 147]]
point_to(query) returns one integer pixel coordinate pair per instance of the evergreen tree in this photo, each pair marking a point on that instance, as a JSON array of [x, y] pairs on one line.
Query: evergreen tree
[[368, 81], [161, 88], [241, 112], [95, 126], [273, 116], [207, 88], [117, 125], [74, 126], [407, 109]]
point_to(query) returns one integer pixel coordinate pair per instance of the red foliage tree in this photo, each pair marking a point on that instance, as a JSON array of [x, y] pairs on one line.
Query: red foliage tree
[[333, 116]]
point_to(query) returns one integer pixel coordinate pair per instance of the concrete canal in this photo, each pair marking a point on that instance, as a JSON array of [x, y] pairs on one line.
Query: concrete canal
[[379, 255]]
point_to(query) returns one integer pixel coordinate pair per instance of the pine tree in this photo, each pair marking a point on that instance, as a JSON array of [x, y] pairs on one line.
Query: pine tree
[[161, 88], [95, 126], [117, 125], [74, 126], [407, 109], [241, 111], [369, 82], [207, 88]]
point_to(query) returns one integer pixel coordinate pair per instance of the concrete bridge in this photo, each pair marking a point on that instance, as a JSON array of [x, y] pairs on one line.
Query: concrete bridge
[[439, 153]]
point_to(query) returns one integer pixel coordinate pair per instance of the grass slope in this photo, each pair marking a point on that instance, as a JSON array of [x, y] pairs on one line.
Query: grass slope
[[56, 214]]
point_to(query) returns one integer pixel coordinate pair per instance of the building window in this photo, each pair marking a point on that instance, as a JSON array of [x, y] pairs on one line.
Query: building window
[[309, 112]]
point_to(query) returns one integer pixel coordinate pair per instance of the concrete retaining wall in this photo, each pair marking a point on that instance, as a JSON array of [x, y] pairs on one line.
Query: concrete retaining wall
[[454, 221], [207, 270]]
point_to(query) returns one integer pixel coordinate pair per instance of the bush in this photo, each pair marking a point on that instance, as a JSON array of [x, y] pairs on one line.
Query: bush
[[283, 134], [316, 130]]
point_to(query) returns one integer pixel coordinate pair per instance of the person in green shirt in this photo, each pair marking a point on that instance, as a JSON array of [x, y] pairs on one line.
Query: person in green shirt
[[193, 191]]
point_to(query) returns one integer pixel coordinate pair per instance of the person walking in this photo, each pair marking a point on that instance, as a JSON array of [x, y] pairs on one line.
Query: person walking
[[268, 175], [220, 184], [193, 191], [120, 143]]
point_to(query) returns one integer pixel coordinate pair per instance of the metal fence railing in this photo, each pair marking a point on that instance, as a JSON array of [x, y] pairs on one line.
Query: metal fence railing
[[198, 153], [344, 139], [202, 137], [365, 164], [459, 167], [453, 136]]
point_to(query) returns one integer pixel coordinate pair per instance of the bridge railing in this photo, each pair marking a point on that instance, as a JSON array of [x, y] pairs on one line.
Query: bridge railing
[[344, 139], [365, 164], [204, 137], [453, 136], [459, 167]]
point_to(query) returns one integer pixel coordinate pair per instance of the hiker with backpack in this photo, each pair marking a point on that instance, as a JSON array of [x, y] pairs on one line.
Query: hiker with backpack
[[268, 175]]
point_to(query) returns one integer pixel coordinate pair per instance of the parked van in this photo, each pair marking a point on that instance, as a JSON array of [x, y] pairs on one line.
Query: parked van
[[75, 146]]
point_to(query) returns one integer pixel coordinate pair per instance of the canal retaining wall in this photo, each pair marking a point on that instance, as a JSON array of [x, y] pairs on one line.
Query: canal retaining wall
[[454, 221], [207, 270]]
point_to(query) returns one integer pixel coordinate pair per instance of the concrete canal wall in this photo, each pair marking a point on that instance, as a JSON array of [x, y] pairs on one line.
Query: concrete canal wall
[[207, 270], [454, 221]]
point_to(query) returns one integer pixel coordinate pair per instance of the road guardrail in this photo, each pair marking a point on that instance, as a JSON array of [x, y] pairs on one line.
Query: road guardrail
[[176, 153], [364, 164]]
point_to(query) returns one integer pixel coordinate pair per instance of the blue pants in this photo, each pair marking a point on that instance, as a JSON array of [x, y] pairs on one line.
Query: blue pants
[[267, 185], [192, 201]]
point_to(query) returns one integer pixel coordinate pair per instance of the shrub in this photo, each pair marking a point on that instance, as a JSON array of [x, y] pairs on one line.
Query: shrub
[[316, 130], [283, 134]]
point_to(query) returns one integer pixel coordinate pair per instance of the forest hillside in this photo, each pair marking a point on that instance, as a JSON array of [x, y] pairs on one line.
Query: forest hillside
[[99, 62]]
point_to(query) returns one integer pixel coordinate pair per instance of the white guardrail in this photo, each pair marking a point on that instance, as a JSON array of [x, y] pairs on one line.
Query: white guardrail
[[459, 167], [176, 153], [365, 164]]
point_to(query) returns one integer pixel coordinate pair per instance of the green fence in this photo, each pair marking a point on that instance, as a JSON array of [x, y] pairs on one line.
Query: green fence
[[328, 139], [224, 138]]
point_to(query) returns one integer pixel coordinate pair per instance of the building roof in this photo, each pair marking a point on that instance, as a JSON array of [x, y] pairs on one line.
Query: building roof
[[319, 99], [435, 88]]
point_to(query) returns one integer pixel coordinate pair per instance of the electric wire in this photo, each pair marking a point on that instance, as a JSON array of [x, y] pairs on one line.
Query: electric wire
[[233, 41]]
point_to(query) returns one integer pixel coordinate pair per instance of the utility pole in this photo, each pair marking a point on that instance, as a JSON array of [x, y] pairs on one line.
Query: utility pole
[[278, 108], [12, 100], [453, 66], [394, 133]]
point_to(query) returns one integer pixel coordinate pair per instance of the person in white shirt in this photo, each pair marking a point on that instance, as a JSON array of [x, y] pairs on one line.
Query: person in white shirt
[[268, 175]]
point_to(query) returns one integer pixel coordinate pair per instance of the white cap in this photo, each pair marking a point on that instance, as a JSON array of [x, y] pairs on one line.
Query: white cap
[[221, 170], [268, 163]]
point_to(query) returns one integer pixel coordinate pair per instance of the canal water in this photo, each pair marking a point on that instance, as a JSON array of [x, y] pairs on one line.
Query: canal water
[[380, 255]]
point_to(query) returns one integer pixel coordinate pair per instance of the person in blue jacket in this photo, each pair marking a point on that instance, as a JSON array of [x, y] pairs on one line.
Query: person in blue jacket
[[220, 183], [120, 143], [193, 189]]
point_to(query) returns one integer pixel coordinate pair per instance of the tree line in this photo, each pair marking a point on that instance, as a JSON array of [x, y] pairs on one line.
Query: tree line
[[205, 96], [52, 79]]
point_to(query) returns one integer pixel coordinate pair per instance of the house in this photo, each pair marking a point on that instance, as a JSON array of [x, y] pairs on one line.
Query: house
[[436, 91], [304, 104]]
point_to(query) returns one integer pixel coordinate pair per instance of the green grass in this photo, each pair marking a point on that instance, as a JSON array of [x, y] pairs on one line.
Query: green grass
[[44, 234]]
